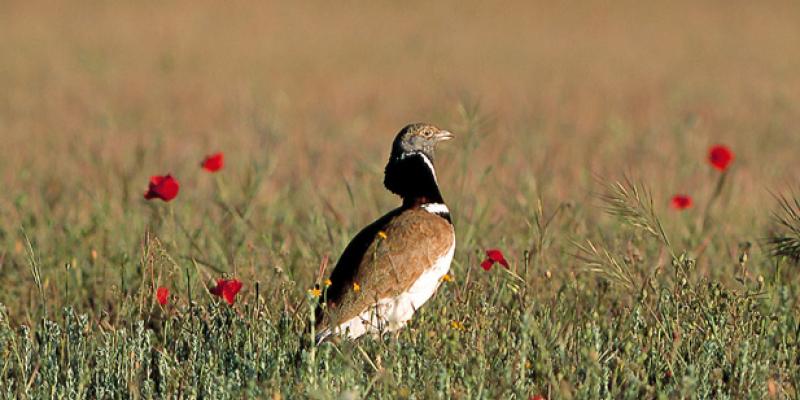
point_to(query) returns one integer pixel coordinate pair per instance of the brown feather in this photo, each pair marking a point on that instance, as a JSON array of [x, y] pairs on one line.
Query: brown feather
[[415, 239]]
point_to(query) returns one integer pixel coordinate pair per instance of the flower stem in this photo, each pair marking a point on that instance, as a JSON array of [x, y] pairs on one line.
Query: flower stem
[[714, 196]]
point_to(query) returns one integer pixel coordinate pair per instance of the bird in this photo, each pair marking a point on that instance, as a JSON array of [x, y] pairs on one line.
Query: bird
[[395, 264]]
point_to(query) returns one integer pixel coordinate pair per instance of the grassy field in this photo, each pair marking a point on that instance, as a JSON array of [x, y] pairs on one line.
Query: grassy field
[[576, 123]]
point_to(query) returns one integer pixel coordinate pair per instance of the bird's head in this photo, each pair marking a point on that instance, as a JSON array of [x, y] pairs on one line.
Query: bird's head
[[418, 138]]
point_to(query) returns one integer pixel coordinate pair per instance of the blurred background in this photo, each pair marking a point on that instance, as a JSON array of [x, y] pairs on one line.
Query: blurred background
[[578, 87], [304, 99]]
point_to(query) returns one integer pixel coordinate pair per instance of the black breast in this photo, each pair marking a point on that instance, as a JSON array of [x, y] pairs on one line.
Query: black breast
[[411, 177]]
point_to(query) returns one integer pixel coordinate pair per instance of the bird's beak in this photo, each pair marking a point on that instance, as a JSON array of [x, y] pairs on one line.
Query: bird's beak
[[442, 136]]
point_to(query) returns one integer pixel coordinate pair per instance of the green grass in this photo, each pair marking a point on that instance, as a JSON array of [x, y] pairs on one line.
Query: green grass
[[696, 341], [632, 322]]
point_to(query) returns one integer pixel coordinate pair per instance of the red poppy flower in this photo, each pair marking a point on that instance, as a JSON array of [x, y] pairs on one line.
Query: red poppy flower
[[681, 201], [537, 397], [214, 162], [720, 157], [227, 289], [162, 187], [493, 256], [162, 295]]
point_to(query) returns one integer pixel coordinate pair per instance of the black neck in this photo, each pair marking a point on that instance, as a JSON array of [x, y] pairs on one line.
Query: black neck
[[412, 177]]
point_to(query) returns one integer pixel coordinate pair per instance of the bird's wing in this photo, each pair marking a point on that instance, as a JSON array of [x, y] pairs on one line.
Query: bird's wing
[[412, 241]]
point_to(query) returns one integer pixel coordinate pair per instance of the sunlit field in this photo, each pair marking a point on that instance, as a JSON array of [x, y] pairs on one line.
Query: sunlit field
[[639, 266]]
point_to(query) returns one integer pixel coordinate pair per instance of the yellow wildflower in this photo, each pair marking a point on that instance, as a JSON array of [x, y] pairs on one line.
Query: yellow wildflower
[[446, 278], [383, 235], [315, 292], [356, 287], [328, 282], [457, 325]]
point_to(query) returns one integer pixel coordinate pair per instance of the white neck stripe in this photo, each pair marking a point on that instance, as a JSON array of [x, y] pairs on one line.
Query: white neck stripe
[[436, 208]]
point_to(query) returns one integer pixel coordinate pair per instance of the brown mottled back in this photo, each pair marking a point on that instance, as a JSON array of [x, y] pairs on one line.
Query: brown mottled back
[[415, 239]]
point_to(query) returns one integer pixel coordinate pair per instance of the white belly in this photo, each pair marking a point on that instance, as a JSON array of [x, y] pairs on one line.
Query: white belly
[[391, 314]]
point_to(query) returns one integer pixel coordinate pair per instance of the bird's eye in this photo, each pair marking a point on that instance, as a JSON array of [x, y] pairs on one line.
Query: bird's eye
[[427, 133]]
